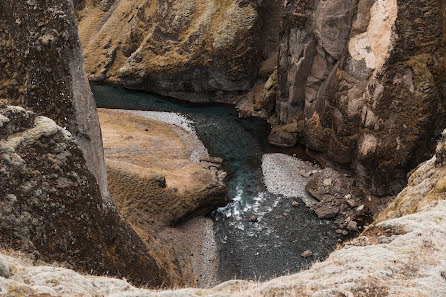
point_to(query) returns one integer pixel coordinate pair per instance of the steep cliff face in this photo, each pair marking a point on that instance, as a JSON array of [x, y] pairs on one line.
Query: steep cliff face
[[53, 186], [195, 50], [41, 58], [363, 82]]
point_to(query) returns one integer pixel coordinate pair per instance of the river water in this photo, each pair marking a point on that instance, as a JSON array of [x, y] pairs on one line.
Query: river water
[[261, 250]]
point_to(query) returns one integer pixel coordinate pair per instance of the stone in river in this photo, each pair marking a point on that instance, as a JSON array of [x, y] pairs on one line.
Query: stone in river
[[352, 226], [327, 212], [212, 160], [327, 181], [253, 219], [295, 204]]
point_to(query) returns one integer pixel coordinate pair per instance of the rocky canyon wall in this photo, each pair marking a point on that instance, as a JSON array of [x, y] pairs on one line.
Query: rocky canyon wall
[[194, 50], [41, 58], [363, 82], [359, 82], [53, 186]]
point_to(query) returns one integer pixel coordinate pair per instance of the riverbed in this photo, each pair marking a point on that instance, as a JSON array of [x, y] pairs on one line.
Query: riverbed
[[270, 246]]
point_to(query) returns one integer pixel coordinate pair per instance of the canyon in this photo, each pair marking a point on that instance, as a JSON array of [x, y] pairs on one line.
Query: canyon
[[359, 83]]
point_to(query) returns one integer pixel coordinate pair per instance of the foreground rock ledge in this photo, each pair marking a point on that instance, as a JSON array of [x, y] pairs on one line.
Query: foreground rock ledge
[[51, 205], [400, 255]]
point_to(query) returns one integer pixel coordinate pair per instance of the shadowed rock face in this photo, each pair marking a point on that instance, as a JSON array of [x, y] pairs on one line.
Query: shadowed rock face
[[51, 206], [364, 80]]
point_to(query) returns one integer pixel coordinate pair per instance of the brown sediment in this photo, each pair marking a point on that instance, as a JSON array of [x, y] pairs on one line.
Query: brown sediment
[[156, 185]]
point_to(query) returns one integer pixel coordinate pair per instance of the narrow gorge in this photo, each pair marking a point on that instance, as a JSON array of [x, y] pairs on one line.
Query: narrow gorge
[[222, 148]]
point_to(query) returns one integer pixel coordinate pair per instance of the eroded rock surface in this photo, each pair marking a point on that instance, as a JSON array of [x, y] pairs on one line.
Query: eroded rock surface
[[43, 70], [157, 182], [139, 151], [51, 205], [195, 50], [342, 199], [360, 82], [364, 83]]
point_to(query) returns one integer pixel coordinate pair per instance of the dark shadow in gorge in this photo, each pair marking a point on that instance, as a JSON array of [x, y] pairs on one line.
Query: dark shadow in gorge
[[261, 250]]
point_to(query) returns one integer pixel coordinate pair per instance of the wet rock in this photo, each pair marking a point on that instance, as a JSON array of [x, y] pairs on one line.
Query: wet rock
[[206, 164], [327, 211], [342, 232], [216, 160], [221, 175], [306, 254]]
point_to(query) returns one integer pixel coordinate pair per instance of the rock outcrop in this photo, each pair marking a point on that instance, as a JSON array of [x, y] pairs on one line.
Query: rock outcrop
[[154, 170], [53, 183], [364, 82], [157, 183], [51, 205], [402, 254], [42, 69]]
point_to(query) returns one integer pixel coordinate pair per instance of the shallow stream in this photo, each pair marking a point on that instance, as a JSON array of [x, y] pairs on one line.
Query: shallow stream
[[247, 250]]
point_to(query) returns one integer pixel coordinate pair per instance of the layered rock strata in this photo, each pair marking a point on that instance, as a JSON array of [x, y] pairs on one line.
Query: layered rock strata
[[363, 82]]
